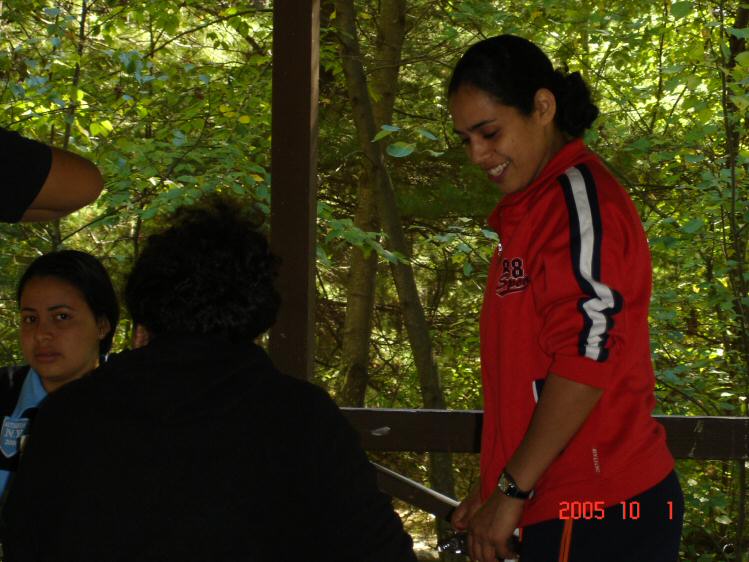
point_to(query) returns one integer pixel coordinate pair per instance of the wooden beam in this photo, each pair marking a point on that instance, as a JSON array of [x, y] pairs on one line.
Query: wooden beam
[[707, 437], [296, 61], [459, 431]]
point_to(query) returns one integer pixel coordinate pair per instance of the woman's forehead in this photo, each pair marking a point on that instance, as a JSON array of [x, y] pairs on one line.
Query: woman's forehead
[[50, 288], [471, 107]]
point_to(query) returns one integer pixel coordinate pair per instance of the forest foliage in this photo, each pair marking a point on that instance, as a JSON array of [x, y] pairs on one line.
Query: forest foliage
[[172, 101]]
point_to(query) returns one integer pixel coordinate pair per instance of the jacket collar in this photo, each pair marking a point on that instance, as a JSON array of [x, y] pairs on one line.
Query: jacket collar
[[570, 153]]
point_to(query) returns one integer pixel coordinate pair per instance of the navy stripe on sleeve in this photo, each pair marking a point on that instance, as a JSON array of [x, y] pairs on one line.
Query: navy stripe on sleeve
[[586, 233]]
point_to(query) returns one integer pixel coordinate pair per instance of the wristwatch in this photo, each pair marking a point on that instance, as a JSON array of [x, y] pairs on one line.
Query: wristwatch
[[509, 487]]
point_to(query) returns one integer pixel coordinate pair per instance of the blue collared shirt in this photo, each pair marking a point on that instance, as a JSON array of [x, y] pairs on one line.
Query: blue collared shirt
[[16, 425]]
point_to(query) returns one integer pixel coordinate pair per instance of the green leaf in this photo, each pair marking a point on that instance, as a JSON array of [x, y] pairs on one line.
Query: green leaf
[[666, 242], [179, 138], [322, 256], [262, 192], [681, 9], [426, 133], [693, 82], [391, 128], [723, 520], [741, 102], [693, 226], [742, 33], [390, 256], [743, 59], [641, 144], [400, 149], [490, 234], [381, 135]]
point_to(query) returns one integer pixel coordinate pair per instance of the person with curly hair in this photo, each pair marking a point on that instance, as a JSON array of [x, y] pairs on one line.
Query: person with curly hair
[[192, 446], [568, 438]]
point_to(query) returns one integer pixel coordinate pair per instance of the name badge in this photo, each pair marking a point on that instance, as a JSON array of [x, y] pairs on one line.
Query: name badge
[[10, 435]]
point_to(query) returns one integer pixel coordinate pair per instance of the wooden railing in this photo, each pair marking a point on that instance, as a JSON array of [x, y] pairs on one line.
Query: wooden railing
[[459, 431]]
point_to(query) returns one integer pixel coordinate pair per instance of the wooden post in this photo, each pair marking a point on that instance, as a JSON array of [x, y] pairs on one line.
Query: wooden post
[[296, 58]]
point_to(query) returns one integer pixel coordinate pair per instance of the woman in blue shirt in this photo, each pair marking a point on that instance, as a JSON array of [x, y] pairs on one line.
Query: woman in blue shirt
[[68, 316]]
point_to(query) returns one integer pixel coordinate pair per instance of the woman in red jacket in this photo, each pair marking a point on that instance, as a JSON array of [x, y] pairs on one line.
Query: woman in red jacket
[[570, 452]]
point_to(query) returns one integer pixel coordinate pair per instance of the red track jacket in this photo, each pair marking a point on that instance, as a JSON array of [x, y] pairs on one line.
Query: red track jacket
[[568, 293]]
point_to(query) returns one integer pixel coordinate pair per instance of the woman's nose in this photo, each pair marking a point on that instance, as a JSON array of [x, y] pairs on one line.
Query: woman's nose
[[43, 331], [477, 151]]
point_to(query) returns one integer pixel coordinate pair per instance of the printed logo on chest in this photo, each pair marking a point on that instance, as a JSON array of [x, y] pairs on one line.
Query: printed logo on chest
[[513, 278]]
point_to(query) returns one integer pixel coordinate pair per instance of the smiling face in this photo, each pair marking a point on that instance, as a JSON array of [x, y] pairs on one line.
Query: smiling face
[[512, 148], [59, 334]]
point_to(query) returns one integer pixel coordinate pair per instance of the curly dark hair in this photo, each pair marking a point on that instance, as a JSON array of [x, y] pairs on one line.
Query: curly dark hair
[[210, 272], [513, 69], [87, 274]]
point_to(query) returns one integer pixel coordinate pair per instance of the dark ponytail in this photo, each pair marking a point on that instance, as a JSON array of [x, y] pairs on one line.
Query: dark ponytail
[[575, 108], [513, 69]]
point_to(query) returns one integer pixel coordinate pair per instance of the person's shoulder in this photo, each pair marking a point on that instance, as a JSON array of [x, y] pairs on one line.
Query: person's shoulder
[[7, 136], [298, 399], [589, 174], [296, 389], [78, 395], [13, 142], [65, 397], [12, 376], [11, 381]]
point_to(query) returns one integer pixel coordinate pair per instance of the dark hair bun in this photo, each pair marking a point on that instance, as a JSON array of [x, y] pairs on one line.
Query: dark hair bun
[[575, 108]]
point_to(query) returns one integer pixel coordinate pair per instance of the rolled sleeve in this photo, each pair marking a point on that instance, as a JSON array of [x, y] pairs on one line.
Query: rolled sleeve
[[583, 370], [578, 300]]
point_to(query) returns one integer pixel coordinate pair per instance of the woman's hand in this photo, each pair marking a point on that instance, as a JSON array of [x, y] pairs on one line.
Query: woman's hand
[[491, 529], [467, 508]]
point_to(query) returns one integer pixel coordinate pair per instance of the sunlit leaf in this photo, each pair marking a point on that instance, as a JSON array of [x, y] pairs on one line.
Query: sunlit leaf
[[400, 149], [426, 133], [681, 9], [381, 135]]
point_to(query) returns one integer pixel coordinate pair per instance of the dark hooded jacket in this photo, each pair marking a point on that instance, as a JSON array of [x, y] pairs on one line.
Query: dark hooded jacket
[[196, 449]]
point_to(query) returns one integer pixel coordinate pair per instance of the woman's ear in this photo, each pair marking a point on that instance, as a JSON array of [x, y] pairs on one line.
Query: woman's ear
[[141, 336], [545, 106], [103, 326]]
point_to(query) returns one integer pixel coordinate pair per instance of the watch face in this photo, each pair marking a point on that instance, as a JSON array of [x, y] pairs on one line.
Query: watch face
[[504, 484], [510, 488]]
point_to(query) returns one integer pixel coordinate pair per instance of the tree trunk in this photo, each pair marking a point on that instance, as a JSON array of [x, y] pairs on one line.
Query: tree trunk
[[737, 247], [416, 325], [357, 330], [357, 327]]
